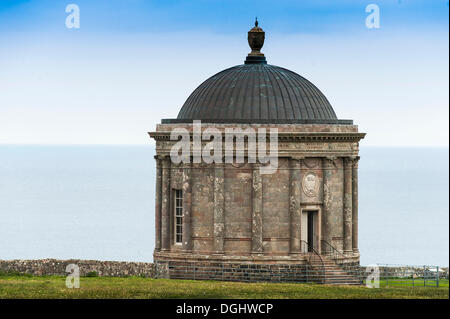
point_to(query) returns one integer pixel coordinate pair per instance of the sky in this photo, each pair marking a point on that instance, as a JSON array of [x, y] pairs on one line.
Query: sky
[[132, 63]]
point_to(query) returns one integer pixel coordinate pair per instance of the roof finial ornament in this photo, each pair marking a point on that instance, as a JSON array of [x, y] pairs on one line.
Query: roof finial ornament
[[256, 38]]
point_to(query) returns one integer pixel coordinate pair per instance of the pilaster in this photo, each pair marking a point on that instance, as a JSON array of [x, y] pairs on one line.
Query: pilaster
[[187, 205], [257, 241], [294, 207], [219, 209], [347, 200], [165, 204], [355, 204], [158, 190]]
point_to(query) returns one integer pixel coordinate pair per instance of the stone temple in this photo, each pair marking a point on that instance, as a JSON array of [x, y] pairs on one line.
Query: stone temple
[[228, 221]]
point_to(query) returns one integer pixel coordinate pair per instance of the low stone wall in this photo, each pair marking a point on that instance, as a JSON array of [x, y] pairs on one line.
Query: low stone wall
[[42, 267], [410, 272]]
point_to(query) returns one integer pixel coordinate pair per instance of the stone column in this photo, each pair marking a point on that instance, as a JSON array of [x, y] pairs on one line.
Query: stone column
[[219, 209], [327, 168], [187, 195], [257, 239], [347, 204], [355, 204], [294, 208], [165, 204], [158, 204]]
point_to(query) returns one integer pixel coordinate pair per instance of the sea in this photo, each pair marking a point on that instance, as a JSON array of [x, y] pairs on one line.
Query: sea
[[97, 202]]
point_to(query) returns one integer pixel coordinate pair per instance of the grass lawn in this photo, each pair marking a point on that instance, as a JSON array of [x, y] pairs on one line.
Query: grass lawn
[[397, 282], [20, 286]]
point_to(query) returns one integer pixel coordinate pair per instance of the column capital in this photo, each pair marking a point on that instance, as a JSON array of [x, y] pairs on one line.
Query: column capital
[[355, 161], [222, 165], [165, 160], [329, 161], [295, 162], [348, 162], [256, 166]]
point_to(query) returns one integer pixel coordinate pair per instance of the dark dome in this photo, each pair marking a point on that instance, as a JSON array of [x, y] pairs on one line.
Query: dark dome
[[254, 92]]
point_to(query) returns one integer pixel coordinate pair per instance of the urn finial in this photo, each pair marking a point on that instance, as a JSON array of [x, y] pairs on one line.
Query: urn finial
[[256, 38]]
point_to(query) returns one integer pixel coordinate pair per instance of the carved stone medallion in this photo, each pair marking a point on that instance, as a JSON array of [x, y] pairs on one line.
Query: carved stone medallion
[[310, 184]]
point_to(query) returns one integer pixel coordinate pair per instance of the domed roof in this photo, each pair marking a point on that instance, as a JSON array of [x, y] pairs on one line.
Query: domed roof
[[256, 92]]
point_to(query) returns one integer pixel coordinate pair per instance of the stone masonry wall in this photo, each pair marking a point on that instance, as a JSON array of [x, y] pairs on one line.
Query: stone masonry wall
[[238, 210], [42, 267], [234, 271], [202, 208], [275, 211]]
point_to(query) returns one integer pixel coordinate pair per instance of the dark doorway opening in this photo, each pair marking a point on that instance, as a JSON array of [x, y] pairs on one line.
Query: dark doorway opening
[[311, 233]]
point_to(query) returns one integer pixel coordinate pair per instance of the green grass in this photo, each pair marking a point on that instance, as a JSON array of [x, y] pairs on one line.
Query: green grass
[[14, 286], [409, 282]]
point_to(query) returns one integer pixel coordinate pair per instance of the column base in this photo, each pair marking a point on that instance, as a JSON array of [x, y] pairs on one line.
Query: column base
[[256, 253], [218, 253]]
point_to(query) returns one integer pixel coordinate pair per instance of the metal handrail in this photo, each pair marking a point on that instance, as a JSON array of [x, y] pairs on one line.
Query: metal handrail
[[318, 257], [333, 252]]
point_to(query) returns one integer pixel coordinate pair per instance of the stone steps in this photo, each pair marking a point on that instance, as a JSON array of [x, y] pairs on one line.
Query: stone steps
[[334, 273]]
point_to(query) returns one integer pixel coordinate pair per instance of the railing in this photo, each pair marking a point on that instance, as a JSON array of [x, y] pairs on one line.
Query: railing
[[315, 261], [411, 276], [329, 250], [355, 271]]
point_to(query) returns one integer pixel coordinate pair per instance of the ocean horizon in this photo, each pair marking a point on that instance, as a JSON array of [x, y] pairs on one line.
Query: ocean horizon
[[97, 202]]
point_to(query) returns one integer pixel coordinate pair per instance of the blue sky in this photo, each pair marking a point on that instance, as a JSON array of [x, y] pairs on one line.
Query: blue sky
[[132, 63], [225, 16]]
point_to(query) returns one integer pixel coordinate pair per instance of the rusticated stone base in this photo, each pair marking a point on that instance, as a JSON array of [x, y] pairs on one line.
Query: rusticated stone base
[[225, 271], [254, 268]]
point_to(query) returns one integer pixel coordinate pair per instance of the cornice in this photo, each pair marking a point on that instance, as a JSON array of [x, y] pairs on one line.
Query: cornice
[[288, 136]]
